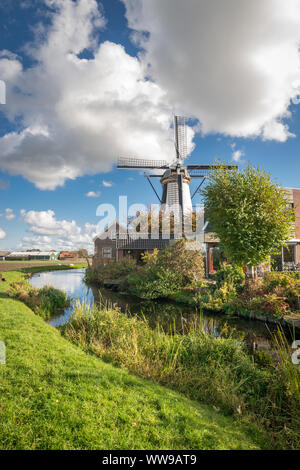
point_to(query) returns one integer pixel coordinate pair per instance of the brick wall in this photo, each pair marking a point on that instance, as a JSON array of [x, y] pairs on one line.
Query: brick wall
[[296, 200], [98, 258]]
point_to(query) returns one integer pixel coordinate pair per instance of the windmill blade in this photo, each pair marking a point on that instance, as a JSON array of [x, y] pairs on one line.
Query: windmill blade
[[211, 167], [139, 163], [201, 171], [180, 137]]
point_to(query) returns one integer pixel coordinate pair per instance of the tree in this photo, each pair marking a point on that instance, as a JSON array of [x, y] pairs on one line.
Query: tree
[[82, 253], [249, 213]]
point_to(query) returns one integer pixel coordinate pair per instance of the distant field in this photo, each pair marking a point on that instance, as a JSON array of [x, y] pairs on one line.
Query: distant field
[[15, 265]]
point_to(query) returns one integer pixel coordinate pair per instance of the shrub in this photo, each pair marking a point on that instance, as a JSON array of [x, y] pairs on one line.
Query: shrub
[[178, 259], [269, 305], [51, 300], [44, 302], [167, 272], [216, 299], [231, 274], [157, 283], [117, 270], [285, 285]]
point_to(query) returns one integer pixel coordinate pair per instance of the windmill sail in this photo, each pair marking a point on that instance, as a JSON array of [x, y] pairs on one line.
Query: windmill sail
[[142, 163], [180, 137], [176, 178]]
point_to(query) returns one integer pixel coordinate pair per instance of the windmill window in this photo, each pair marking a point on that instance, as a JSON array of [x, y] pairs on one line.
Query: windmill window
[[106, 252]]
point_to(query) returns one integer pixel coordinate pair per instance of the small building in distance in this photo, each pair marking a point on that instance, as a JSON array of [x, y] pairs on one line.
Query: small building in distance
[[3, 255], [66, 255], [32, 255]]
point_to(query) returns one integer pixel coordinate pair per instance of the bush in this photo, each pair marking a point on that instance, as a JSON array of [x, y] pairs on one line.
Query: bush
[[51, 300], [44, 302], [154, 284], [285, 285], [270, 305], [167, 272], [232, 275], [117, 270]]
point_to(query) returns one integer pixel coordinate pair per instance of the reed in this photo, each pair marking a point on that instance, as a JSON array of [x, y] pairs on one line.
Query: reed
[[217, 371]]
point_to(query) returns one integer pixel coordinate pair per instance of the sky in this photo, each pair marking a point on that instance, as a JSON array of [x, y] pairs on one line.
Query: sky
[[89, 81]]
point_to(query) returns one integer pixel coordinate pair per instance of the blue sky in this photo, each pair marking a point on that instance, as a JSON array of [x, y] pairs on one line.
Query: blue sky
[[30, 33]]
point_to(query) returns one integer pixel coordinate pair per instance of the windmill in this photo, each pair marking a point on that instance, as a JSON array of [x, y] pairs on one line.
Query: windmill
[[176, 178]]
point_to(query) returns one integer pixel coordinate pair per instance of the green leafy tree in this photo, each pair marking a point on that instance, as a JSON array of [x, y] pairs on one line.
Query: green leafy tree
[[249, 213]]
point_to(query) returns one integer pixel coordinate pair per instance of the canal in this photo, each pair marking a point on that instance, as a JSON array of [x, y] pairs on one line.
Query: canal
[[169, 315]]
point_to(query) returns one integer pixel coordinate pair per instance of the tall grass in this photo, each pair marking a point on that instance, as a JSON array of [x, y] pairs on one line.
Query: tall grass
[[217, 371], [44, 302]]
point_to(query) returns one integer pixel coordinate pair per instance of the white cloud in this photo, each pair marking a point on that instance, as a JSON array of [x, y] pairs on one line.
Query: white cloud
[[93, 194], [2, 234], [79, 115], [40, 242], [232, 64], [9, 215], [50, 233], [107, 184], [237, 155]]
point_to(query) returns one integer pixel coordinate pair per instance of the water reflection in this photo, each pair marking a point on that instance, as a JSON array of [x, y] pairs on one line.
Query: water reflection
[[170, 315], [69, 281]]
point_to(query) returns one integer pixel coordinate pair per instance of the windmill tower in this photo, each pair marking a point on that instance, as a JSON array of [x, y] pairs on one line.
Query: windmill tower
[[176, 178]]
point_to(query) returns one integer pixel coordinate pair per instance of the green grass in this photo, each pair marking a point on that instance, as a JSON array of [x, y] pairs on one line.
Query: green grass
[[217, 371], [55, 396]]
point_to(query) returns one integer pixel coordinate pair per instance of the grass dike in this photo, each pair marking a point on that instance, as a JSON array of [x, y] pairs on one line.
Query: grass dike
[[53, 395]]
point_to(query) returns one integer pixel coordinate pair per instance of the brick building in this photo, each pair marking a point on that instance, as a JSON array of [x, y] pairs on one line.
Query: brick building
[[112, 245]]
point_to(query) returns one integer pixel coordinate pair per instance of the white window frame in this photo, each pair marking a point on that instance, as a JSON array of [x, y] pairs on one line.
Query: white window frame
[[106, 249]]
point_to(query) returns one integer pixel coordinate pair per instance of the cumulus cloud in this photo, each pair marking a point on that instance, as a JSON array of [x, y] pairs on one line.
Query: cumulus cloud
[[50, 233], [233, 65], [2, 234], [42, 243], [237, 154], [93, 194], [107, 184], [79, 114], [9, 215]]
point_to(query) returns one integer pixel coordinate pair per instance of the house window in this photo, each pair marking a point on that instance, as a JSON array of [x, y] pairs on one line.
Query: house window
[[106, 252]]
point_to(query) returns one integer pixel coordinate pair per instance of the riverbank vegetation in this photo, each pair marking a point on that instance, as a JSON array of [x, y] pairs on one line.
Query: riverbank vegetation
[[177, 273], [218, 371], [44, 302], [53, 395]]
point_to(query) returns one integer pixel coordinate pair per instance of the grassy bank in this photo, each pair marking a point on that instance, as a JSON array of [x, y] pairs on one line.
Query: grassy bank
[[55, 396], [44, 302], [212, 370]]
